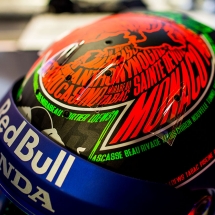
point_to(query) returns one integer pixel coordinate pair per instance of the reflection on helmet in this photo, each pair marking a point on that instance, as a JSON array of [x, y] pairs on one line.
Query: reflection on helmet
[[202, 206]]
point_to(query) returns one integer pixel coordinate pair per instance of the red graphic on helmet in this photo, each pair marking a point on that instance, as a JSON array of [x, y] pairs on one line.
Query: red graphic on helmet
[[130, 49], [132, 61]]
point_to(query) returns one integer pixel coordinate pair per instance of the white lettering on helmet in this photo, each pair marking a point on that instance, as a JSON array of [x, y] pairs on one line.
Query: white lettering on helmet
[[26, 150], [24, 185]]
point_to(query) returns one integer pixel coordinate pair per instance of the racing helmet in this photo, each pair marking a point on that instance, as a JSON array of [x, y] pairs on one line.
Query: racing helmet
[[115, 117]]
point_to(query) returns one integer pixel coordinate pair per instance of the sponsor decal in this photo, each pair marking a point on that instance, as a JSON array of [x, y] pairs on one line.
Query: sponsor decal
[[25, 141]]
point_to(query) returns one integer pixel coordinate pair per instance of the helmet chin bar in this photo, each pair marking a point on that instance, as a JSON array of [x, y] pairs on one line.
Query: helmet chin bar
[[42, 177]]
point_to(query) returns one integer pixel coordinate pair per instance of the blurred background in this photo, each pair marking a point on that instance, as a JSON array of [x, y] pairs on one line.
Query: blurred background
[[32, 25], [27, 26]]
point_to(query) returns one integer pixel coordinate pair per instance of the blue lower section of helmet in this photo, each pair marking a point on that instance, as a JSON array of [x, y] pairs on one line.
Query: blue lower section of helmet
[[41, 177]]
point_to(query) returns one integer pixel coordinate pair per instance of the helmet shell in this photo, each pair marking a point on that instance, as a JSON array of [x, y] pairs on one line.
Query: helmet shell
[[130, 92]]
